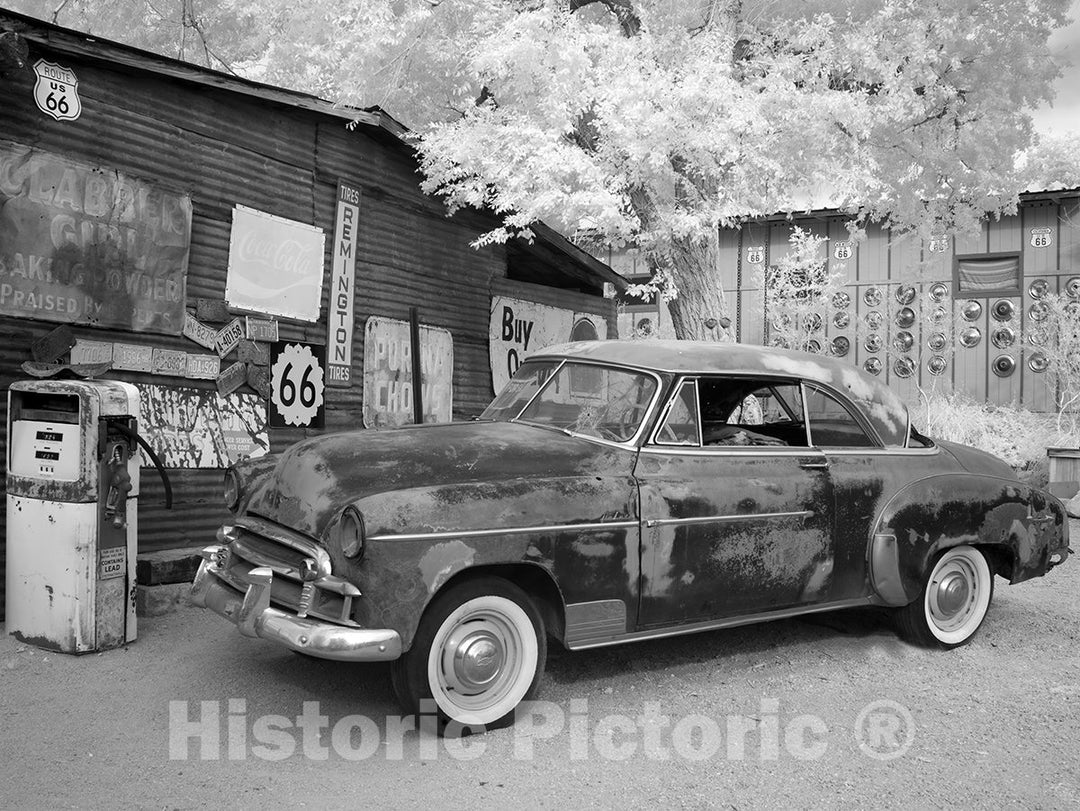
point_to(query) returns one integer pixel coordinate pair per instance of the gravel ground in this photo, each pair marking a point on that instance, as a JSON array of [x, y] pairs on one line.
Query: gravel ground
[[827, 711]]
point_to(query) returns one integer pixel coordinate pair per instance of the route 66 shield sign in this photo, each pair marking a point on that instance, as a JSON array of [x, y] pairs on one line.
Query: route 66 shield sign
[[56, 91], [1041, 238]]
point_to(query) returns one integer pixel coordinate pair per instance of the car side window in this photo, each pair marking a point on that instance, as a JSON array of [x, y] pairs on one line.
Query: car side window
[[751, 412], [682, 423], [831, 424]]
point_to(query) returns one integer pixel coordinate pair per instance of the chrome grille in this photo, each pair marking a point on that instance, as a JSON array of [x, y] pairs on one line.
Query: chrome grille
[[255, 543]]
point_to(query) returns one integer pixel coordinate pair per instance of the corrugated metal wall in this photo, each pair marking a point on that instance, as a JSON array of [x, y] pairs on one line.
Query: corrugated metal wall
[[224, 149], [883, 265]]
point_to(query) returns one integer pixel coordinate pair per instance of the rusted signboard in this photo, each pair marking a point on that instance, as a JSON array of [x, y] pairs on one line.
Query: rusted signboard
[[133, 358], [232, 378], [199, 332], [203, 367], [275, 265], [519, 328], [53, 345], [254, 353], [229, 336], [170, 362], [89, 245], [262, 329], [339, 336], [388, 383], [91, 352], [197, 428]]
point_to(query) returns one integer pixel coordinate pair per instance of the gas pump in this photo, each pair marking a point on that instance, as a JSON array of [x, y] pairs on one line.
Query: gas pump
[[72, 513]]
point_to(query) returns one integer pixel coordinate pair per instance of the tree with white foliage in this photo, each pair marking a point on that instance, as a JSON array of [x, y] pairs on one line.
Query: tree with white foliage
[[653, 122]]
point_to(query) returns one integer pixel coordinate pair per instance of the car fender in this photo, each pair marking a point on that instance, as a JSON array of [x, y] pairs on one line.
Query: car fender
[[927, 516], [568, 538]]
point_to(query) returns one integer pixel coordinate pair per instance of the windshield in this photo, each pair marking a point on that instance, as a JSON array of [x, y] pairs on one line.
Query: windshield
[[579, 398], [526, 381]]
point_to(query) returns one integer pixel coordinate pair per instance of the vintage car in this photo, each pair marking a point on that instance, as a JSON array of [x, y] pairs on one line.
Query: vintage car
[[617, 491]]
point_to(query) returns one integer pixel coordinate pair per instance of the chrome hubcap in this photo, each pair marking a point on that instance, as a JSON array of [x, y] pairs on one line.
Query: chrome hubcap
[[478, 660], [478, 657], [953, 594], [483, 660]]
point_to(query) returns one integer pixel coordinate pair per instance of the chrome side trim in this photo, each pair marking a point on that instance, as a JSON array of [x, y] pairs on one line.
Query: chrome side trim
[[730, 450], [727, 519], [906, 451], [712, 625], [601, 526], [791, 450]]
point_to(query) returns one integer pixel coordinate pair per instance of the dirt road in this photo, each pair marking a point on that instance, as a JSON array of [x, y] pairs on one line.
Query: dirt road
[[829, 711]]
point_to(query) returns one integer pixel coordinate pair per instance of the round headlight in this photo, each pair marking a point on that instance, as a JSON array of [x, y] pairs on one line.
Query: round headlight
[[351, 533], [232, 490]]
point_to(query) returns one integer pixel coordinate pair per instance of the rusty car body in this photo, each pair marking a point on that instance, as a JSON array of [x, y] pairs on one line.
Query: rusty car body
[[613, 492]]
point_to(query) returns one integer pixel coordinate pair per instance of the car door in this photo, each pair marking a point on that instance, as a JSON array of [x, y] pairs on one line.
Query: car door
[[864, 475], [736, 509]]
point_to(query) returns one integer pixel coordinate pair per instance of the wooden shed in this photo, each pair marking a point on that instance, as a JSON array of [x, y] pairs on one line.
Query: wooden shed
[[188, 227]]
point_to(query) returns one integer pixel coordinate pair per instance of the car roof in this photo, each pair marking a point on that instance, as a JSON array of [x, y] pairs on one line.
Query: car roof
[[880, 405]]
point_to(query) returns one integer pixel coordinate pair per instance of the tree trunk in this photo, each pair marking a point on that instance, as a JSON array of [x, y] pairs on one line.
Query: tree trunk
[[700, 311]]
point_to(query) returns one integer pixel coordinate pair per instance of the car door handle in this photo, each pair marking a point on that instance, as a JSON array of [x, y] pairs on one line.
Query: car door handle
[[815, 464]]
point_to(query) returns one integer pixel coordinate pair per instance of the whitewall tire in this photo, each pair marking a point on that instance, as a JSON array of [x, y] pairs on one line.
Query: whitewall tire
[[954, 600], [478, 653]]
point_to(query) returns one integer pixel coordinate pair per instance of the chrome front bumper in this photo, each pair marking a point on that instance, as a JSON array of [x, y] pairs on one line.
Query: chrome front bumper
[[253, 615]]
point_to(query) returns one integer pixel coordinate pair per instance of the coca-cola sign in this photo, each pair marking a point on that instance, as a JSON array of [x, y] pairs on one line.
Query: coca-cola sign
[[275, 265]]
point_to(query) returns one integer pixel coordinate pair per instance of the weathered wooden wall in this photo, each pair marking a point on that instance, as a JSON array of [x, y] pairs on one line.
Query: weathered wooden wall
[[225, 148]]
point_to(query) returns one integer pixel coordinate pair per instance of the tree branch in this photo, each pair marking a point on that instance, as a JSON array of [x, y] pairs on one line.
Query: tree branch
[[622, 9], [56, 12]]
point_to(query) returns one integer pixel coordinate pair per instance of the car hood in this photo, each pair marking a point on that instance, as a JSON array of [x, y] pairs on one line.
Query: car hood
[[317, 477]]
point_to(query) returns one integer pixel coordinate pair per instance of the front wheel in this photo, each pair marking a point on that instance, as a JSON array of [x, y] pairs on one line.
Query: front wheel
[[479, 651], [953, 602]]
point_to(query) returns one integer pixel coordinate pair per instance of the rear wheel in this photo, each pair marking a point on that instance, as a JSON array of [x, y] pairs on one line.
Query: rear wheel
[[953, 602], [479, 651]]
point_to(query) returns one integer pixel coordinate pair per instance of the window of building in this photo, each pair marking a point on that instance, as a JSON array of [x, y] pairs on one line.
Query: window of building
[[988, 274]]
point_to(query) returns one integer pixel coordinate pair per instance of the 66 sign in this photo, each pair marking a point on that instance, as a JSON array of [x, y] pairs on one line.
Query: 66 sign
[[56, 91], [1041, 237], [297, 383]]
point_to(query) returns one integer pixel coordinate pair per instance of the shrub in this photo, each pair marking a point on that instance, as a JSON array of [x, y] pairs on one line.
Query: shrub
[[1017, 435]]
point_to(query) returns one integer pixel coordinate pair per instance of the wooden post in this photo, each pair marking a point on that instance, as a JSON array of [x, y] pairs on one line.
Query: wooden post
[[417, 388]]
